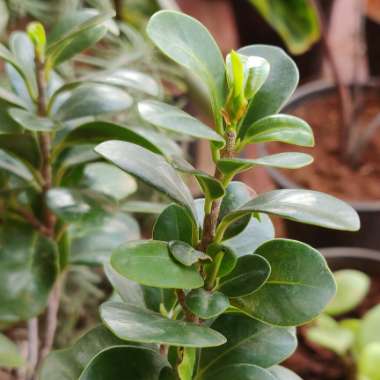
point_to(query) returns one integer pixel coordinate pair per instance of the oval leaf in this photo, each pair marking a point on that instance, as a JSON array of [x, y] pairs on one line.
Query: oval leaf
[[206, 304], [240, 371], [10, 357], [185, 253], [130, 322], [30, 121], [138, 261]]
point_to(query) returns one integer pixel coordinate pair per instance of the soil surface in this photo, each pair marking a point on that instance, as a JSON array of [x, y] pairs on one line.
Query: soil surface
[[330, 173], [314, 363]]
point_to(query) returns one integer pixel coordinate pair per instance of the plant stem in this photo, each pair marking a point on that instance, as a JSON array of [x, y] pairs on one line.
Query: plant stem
[[188, 314], [33, 347], [118, 4]]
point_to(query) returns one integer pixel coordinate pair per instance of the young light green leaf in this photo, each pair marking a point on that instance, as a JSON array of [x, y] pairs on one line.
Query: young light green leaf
[[256, 73], [369, 362], [352, 288], [139, 260], [369, 329], [10, 357], [248, 341], [36, 33], [250, 274], [284, 128], [130, 322], [174, 119], [206, 304], [185, 254], [137, 161], [188, 42], [300, 277], [185, 368], [277, 89]]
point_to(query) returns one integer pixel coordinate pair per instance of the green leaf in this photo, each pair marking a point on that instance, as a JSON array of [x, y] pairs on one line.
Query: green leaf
[[284, 128], [188, 42], [22, 146], [352, 288], [174, 223], [137, 161], [250, 274], [235, 74], [12, 99], [277, 89], [293, 160], [116, 362], [328, 333], [241, 371], [36, 33], [296, 21], [10, 356], [99, 131], [369, 328], [248, 341], [14, 166], [92, 243], [174, 119], [369, 362], [130, 322], [139, 260], [144, 207], [211, 187], [29, 267], [30, 121], [186, 366], [282, 373], [304, 206], [91, 100], [257, 232], [109, 180], [300, 277], [227, 256], [75, 32], [185, 254], [77, 205], [68, 364], [206, 304]]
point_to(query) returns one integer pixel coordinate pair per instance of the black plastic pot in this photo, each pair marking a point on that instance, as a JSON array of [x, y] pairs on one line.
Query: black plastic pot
[[369, 212]]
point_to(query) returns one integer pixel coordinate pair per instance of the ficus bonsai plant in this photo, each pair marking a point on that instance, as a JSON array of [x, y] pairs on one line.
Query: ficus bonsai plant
[[212, 295], [355, 341], [59, 206]]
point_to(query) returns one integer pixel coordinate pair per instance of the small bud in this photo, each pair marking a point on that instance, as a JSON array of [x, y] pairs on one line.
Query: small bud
[[36, 33]]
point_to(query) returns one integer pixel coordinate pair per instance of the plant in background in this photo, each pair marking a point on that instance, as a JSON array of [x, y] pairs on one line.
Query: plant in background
[[212, 295], [59, 205], [355, 341]]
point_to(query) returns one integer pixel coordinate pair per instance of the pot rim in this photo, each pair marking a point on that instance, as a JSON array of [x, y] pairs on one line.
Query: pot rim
[[350, 253], [303, 93]]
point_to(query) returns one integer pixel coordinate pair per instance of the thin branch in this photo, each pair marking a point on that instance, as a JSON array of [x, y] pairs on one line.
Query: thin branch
[[33, 347], [188, 314]]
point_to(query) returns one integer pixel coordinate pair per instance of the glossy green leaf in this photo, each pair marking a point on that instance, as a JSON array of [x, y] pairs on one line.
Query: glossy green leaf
[[10, 356], [36, 33], [227, 256], [300, 277], [30, 121], [241, 371], [116, 362], [139, 260], [248, 341], [23, 147], [206, 304], [328, 333], [257, 232], [92, 100], [14, 166], [74, 33], [277, 89], [296, 21], [185, 253], [144, 207], [77, 205], [211, 187], [186, 366], [109, 180], [284, 128], [282, 373], [138, 161], [68, 364], [188, 42], [304, 206], [369, 330], [29, 267], [92, 243], [12, 99], [235, 75], [352, 288], [369, 362], [250, 274], [129, 322], [293, 160], [99, 131], [174, 223], [174, 119]]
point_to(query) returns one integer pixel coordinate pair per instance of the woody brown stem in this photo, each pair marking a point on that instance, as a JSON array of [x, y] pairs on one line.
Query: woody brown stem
[[188, 314]]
